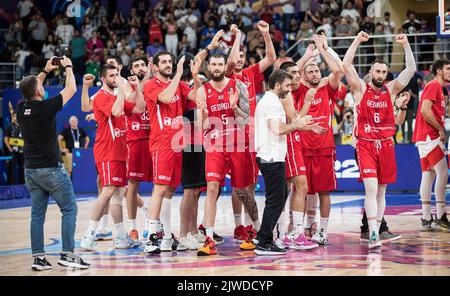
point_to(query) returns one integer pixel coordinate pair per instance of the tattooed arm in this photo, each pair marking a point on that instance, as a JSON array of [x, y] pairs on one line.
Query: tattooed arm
[[241, 105]]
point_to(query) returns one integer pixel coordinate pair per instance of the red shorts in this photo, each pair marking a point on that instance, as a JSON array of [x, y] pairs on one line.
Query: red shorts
[[431, 159], [377, 160], [112, 173], [167, 166], [218, 164], [295, 166], [139, 161], [255, 168], [320, 172]]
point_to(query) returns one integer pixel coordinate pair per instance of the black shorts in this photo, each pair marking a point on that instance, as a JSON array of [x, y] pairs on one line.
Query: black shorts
[[193, 169]]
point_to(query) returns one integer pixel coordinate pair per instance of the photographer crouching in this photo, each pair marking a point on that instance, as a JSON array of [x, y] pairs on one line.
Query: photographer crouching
[[44, 173]]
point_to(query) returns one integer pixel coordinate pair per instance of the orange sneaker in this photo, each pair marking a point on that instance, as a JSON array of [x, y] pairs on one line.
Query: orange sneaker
[[209, 248], [248, 243], [134, 235]]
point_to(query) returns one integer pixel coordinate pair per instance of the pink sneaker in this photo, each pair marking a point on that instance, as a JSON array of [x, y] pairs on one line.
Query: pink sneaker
[[287, 241], [302, 243]]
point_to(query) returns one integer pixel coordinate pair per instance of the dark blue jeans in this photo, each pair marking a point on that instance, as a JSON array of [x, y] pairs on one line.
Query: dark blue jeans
[[55, 182]]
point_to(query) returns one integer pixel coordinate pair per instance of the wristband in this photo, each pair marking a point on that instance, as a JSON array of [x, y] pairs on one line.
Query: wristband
[[68, 66], [45, 72], [403, 109], [207, 50]]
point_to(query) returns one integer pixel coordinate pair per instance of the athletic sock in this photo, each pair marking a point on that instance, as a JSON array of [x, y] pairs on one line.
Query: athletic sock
[[297, 219], [120, 228], [132, 224], [237, 220], [92, 227], [324, 224]]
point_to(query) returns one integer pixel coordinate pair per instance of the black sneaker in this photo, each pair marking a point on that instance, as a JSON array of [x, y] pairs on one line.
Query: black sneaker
[[152, 247], [73, 260], [387, 236], [40, 264], [441, 224], [425, 225], [271, 250]]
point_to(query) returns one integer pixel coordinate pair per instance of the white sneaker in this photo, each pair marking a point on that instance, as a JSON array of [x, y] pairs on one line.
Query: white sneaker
[[320, 237], [200, 238], [88, 242], [279, 243], [166, 245], [125, 243], [103, 234], [190, 242]]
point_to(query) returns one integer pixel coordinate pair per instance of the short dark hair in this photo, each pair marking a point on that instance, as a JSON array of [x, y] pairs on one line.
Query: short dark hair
[[135, 59], [28, 87], [439, 65], [286, 65], [161, 53], [217, 56], [387, 13], [379, 61], [117, 58], [104, 69], [278, 76]]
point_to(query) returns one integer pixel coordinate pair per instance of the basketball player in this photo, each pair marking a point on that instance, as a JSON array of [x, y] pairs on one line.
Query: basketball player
[[165, 100], [319, 152], [375, 127], [252, 77], [217, 103], [110, 152], [429, 136]]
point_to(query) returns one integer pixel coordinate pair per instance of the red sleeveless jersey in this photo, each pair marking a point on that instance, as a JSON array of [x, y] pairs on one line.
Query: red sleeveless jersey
[[375, 115], [220, 115], [321, 110]]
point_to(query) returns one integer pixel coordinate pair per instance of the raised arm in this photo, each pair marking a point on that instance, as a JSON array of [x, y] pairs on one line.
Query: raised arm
[[215, 42], [397, 85], [202, 110], [311, 52], [138, 95], [167, 94], [271, 55], [309, 98], [326, 52], [49, 67], [86, 102], [357, 85], [70, 87], [234, 53]]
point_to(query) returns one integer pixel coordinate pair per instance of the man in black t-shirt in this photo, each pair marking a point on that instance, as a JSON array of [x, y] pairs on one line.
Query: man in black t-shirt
[[44, 174], [14, 144], [70, 138]]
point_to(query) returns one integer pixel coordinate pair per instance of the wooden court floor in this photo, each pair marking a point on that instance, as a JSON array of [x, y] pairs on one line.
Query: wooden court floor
[[415, 254]]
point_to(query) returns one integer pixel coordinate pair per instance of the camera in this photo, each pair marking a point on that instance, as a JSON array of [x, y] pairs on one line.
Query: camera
[[57, 61]]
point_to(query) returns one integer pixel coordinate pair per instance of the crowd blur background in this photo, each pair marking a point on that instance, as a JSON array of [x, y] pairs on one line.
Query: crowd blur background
[[33, 31]]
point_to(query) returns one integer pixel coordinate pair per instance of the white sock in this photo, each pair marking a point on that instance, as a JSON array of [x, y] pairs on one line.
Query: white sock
[[93, 225], [120, 228], [310, 219], [159, 226], [166, 209], [381, 203], [372, 226], [203, 221], [144, 210], [104, 221], [370, 202], [210, 232], [441, 169], [297, 220], [425, 194], [247, 219], [237, 220], [152, 226], [324, 224], [132, 224]]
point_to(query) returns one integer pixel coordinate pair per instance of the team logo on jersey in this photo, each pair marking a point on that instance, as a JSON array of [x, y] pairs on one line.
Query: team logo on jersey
[[377, 97], [167, 121], [367, 128], [117, 179], [175, 98], [117, 133], [135, 126], [230, 90], [316, 101], [297, 137], [220, 97], [369, 171], [27, 112]]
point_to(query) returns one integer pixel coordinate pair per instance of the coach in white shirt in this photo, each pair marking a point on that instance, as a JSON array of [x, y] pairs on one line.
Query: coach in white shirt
[[271, 147]]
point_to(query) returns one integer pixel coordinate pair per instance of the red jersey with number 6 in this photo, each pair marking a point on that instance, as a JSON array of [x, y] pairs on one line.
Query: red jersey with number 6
[[220, 115], [375, 115]]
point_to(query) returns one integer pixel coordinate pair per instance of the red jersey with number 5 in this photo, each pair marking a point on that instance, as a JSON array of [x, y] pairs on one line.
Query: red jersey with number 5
[[220, 115], [375, 115]]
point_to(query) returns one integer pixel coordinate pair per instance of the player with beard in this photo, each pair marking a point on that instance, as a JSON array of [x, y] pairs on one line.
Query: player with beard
[[429, 136], [110, 153], [375, 128], [318, 150], [220, 105], [252, 77], [165, 100]]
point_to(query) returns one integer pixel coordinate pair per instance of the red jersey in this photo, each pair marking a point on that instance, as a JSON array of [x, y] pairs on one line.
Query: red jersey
[[252, 78], [166, 120], [375, 115], [321, 110], [110, 138], [293, 138], [138, 126], [220, 115], [423, 130]]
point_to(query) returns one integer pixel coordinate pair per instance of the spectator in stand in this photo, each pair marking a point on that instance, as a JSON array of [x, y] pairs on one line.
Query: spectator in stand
[[304, 33], [367, 49], [411, 26], [191, 32], [19, 58], [343, 29], [253, 37], [291, 33], [314, 18], [389, 29], [96, 12], [93, 66], [351, 11], [49, 48], [134, 20], [95, 46], [118, 24], [87, 28], [14, 143], [133, 38], [154, 29], [39, 32], [379, 42], [326, 27], [207, 34], [104, 31], [16, 29], [154, 48], [266, 13], [184, 46], [171, 40], [78, 53], [141, 6], [425, 45], [288, 12], [25, 8], [65, 31], [305, 5]]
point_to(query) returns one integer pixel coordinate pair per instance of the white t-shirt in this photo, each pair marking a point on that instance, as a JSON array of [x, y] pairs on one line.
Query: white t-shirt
[[353, 13], [24, 7], [388, 31], [65, 32], [269, 147], [288, 8], [21, 55], [349, 100]]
